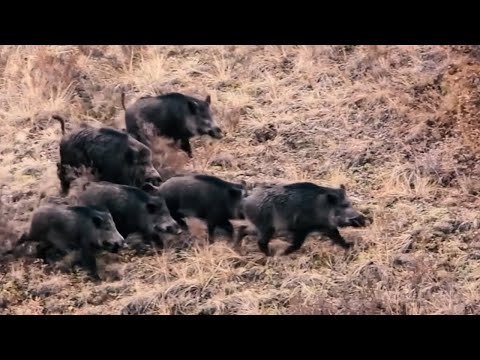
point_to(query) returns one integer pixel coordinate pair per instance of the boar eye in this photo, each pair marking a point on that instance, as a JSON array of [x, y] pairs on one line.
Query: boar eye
[[97, 221], [193, 107], [151, 208], [332, 198]]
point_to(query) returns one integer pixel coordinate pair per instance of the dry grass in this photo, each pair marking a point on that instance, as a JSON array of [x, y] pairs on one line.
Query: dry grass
[[396, 124]]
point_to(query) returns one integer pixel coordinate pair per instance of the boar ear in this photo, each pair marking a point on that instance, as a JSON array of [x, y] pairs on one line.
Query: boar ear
[[97, 221], [151, 208], [208, 100], [342, 187], [147, 187]]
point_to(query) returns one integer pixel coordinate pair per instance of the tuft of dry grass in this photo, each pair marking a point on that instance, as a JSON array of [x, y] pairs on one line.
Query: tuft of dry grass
[[395, 124]]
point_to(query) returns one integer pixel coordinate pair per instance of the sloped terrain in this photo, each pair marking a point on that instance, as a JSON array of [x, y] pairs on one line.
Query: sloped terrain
[[398, 125]]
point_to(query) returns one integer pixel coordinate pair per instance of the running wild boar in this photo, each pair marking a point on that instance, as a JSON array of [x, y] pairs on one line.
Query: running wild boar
[[173, 115], [63, 229], [205, 197], [111, 154], [133, 210], [298, 208]]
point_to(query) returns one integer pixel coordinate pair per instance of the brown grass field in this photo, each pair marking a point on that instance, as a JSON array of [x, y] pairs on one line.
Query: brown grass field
[[398, 125]]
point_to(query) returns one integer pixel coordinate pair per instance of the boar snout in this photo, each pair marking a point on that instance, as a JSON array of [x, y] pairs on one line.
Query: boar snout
[[216, 133], [172, 228], [358, 221], [154, 180]]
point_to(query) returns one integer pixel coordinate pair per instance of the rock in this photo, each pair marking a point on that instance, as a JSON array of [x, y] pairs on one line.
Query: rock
[[53, 307], [4, 301], [97, 297], [224, 160], [444, 227], [466, 226], [432, 246], [208, 310], [404, 260], [407, 246], [443, 275], [451, 201], [252, 275], [32, 171], [47, 289], [266, 133]]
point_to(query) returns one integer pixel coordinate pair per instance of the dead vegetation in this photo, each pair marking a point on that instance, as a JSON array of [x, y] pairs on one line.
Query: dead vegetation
[[396, 124]]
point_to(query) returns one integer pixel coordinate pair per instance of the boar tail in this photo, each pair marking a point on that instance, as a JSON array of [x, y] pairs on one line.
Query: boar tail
[[122, 97], [62, 122]]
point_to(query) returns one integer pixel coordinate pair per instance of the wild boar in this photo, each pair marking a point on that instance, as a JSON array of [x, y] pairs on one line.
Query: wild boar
[[111, 154], [133, 210], [206, 197], [173, 115], [298, 208], [68, 228]]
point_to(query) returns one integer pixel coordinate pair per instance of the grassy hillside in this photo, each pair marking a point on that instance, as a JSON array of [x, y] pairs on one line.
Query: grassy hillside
[[398, 125]]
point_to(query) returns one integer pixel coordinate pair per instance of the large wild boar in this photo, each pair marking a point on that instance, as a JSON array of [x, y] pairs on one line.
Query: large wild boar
[[173, 115], [298, 208], [63, 229], [133, 210], [112, 155], [206, 197]]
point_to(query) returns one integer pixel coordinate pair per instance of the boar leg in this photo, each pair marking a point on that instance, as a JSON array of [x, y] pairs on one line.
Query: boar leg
[[335, 236], [155, 239], [264, 239], [211, 232], [227, 227], [88, 259], [64, 181], [298, 240], [42, 250], [185, 146], [56, 245], [242, 232]]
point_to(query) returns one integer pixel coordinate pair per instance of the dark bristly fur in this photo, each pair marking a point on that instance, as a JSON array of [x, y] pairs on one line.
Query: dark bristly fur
[[299, 208], [67, 228], [133, 210], [172, 115], [111, 154], [205, 197]]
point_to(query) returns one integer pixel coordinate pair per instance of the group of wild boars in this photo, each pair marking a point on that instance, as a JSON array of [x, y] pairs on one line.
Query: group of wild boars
[[111, 154], [299, 208], [173, 115], [128, 196], [59, 229], [205, 197], [125, 157], [123, 197], [104, 216]]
